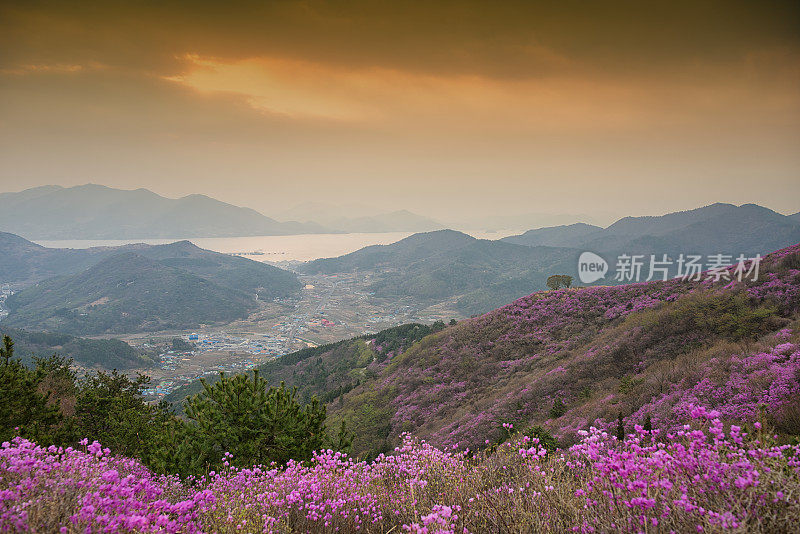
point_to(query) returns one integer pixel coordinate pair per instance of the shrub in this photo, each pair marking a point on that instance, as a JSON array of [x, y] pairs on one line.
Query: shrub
[[558, 409], [791, 261], [542, 437], [730, 315]]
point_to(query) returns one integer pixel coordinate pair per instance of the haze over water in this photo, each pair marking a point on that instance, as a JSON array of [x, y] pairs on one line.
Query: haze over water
[[272, 247]]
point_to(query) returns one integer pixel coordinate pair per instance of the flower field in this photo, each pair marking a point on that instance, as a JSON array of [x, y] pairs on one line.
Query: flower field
[[703, 477]]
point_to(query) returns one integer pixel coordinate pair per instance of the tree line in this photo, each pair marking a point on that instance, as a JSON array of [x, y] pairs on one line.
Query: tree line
[[242, 415]]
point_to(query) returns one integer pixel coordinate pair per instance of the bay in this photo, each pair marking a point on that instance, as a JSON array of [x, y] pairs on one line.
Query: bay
[[272, 248]]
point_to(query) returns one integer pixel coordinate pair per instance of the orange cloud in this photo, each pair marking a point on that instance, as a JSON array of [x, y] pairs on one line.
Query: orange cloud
[[582, 100]]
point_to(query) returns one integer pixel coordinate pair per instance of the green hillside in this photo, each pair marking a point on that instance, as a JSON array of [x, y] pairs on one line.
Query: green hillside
[[23, 262], [125, 293], [224, 270], [106, 353], [441, 265]]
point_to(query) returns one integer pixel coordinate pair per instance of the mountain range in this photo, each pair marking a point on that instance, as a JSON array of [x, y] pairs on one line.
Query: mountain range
[[719, 228], [395, 221], [443, 265], [479, 275], [97, 212], [359, 218], [133, 287]]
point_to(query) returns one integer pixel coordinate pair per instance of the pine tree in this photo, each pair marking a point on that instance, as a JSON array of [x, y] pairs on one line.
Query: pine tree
[[240, 415], [109, 408], [23, 410]]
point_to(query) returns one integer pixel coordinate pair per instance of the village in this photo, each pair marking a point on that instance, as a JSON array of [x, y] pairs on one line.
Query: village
[[5, 292], [330, 308]]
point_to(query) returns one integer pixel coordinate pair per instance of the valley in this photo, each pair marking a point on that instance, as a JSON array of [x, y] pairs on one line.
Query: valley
[[328, 309]]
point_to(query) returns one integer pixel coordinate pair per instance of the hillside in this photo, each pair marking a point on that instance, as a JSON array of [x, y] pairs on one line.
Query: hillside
[[359, 218], [479, 275], [23, 262], [106, 353], [125, 292], [441, 265], [415, 248], [555, 236], [571, 358], [567, 359], [97, 212], [330, 370], [224, 270], [719, 228]]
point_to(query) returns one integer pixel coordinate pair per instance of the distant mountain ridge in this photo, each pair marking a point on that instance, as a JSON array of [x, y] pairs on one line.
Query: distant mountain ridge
[[481, 274], [125, 292], [98, 212], [555, 236], [393, 256], [23, 263], [717, 228], [359, 218], [225, 270]]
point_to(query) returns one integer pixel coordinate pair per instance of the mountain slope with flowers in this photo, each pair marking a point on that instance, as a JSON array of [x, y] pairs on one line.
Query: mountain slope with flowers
[[570, 359]]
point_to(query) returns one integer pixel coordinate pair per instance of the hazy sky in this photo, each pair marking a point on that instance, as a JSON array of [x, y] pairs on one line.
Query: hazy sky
[[446, 108]]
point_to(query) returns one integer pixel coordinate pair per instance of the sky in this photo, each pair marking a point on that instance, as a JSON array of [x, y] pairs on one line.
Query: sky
[[453, 109]]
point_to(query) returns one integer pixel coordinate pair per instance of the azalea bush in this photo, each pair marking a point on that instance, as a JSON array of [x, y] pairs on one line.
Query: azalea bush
[[51, 489], [740, 387], [703, 477]]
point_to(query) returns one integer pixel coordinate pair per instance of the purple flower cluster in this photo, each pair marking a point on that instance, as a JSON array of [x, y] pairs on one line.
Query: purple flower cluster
[[737, 387], [89, 491], [700, 477], [682, 473]]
